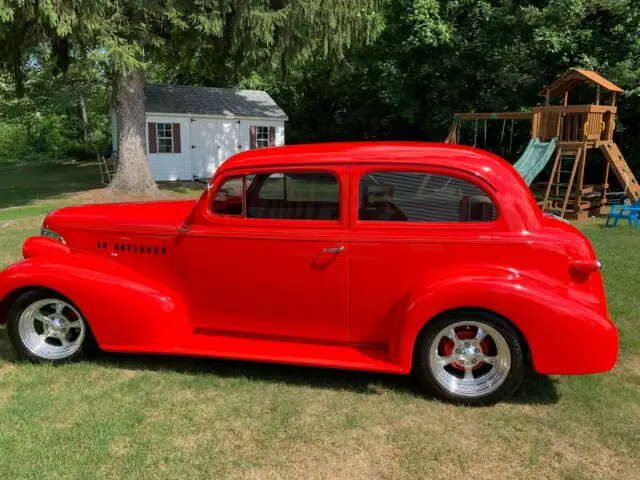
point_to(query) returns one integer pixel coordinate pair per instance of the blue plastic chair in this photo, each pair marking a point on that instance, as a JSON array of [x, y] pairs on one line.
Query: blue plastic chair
[[624, 211]]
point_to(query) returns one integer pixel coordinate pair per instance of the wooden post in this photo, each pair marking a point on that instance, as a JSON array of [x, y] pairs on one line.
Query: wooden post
[[613, 99], [605, 185], [560, 125], [581, 168], [597, 94], [567, 194], [451, 138], [547, 97], [556, 168], [558, 173], [566, 98]]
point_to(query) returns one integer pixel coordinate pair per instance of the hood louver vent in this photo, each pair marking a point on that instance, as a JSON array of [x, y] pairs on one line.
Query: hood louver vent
[[135, 248]]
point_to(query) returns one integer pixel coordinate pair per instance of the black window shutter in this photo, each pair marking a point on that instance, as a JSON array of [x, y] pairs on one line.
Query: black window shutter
[[177, 144], [272, 136], [153, 144], [252, 136]]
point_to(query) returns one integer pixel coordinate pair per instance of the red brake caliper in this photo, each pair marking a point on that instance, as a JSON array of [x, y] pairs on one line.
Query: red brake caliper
[[446, 346]]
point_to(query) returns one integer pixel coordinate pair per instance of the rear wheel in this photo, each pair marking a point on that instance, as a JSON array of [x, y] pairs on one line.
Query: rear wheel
[[470, 358], [46, 327]]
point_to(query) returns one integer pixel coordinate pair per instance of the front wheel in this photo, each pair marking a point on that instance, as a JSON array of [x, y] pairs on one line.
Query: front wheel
[[45, 327], [470, 358]]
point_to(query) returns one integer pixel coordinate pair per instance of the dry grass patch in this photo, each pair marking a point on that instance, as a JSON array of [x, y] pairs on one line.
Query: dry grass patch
[[628, 366]]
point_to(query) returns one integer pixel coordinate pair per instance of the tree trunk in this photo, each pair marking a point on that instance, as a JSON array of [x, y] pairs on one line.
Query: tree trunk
[[133, 173], [85, 120]]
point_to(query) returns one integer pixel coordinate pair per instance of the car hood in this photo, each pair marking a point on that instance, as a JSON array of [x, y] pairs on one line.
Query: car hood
[[164, 216]]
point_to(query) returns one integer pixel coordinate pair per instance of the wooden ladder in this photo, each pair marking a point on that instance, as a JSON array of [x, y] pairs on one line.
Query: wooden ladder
[[621, 169], [107, 168], [559, 188]]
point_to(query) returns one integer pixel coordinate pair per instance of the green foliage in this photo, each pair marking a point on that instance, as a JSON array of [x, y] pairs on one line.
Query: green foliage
[[255, 37], [428, 29], [42, 139], [220, 42], [45, 124], [341, 69], [435, 58]]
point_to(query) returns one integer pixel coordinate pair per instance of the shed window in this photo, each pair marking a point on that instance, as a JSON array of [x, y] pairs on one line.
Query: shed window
[[262, 136], [165, 137], [422, 197]]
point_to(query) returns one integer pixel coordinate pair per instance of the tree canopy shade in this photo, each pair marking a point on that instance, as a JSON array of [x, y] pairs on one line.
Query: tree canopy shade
[[129, 35], [341, 69]]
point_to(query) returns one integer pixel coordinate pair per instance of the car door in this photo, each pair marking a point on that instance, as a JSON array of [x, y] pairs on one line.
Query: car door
[[268, 255], [410, 225]]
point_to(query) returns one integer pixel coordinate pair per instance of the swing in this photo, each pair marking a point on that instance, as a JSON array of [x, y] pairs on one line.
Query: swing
[[485, 135]]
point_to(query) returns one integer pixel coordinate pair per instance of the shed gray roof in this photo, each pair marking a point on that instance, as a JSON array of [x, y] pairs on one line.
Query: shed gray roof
[[226, 102]]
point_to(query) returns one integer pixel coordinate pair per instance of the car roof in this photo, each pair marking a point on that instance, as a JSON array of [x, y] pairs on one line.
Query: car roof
[[426, 153], [496, 172]]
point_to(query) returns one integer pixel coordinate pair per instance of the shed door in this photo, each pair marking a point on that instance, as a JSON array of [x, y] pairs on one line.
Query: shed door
[[204, 151], [213, 141], [227, 139]]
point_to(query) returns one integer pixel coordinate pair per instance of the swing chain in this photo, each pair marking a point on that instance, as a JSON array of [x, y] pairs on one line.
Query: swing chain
[[485, 134], [475, 134]]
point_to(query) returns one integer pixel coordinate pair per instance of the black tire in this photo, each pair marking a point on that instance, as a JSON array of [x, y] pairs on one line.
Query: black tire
[[85, 345], [432, 332]]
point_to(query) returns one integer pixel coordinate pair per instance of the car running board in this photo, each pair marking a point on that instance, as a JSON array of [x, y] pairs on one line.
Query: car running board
[[349, 357]]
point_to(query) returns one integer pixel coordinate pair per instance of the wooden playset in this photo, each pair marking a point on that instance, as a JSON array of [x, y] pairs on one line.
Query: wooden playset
[[574, 130]]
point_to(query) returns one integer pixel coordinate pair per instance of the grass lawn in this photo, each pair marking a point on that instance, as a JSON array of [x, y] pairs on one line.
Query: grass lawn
[[124, 416]]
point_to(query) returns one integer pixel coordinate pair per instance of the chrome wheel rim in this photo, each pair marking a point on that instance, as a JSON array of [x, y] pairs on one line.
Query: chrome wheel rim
[[470, 359], [51, 329]]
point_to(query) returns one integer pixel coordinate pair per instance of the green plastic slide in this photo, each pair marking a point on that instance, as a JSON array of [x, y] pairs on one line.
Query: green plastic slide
[[534, 158]]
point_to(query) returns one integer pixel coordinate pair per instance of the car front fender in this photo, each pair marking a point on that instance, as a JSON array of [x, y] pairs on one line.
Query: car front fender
[[564, 336], [123, 307]]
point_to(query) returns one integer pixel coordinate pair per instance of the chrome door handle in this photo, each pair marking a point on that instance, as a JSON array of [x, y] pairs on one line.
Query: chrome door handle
[[334, 250]]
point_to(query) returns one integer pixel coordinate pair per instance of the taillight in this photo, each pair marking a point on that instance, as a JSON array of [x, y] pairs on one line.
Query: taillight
[[586, 266]]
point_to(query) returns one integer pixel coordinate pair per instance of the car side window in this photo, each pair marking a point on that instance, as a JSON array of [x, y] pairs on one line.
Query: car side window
[[422, 197], [294, 196], [228, 199]]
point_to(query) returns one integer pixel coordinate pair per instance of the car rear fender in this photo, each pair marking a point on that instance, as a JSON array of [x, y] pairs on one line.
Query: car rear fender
[[563, 335], [122, 306]]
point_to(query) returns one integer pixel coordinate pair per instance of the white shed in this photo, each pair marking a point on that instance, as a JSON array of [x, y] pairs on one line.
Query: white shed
[[192, 130]]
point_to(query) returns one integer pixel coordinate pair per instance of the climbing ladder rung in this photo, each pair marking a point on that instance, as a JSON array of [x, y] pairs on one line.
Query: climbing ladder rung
[[621, 170], [564, 198]]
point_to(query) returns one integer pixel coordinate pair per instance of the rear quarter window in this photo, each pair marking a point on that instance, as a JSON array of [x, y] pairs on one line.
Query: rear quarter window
[[422, 197]]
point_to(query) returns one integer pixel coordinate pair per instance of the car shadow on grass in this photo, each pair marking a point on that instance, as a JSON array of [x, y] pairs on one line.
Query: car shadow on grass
[[536, 389]]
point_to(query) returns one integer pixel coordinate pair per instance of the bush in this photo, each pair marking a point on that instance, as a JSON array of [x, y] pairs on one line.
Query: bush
[[48, 138]]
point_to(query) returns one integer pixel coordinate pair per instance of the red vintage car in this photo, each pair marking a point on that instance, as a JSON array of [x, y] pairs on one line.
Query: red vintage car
[[387, 257]]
